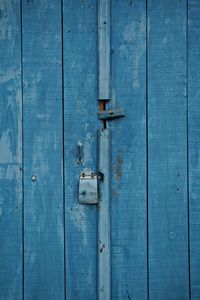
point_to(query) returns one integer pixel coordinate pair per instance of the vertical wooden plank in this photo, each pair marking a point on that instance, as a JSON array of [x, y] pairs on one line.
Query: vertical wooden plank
[[43, 163], [129, 210], [194, 141], [167, 155], [81, 107], [11, 151]]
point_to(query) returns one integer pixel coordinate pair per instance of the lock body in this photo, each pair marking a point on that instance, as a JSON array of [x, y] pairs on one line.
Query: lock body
[[88, 188]]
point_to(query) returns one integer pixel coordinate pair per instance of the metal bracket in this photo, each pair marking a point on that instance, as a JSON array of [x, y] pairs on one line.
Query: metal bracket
[[111, 114]]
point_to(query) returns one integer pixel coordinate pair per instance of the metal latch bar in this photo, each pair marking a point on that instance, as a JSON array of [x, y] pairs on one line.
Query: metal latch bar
[[104, 167], [111, 114], [104, 49]]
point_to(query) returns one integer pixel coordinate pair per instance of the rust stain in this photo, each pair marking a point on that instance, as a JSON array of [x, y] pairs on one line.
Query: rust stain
[[118, 167], [115, 194], [102, 107]]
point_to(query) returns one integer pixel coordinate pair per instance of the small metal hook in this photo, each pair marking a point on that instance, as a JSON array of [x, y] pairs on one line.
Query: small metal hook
[[80, 153]]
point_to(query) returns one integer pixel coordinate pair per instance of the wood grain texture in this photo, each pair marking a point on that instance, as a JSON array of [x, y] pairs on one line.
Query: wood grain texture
[[43, 155], [194, 141], [149, 80], [167, 104], [10, 152], [81, 123], [129, 210]]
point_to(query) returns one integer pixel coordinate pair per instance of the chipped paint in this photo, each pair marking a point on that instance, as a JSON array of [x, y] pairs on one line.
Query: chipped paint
[[7, 75], [102, 247], [6, 147], [79, 218]]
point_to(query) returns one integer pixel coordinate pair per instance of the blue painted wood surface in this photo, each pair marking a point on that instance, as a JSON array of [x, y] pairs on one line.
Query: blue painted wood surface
[[10, 152], [194, 141], [167, 150], [129, 201], [80, 124], [49, 104], [43, 151]]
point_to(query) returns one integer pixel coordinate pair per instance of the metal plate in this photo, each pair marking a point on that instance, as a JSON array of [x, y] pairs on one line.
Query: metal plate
[[88, 188]]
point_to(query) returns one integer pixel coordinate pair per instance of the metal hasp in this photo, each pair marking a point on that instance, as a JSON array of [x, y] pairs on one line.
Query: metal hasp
[[111, 114], [104, 269], [104, 150], [88, 188]]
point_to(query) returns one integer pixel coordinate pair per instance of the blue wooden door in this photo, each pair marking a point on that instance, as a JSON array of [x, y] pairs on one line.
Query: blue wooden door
[[49, 106]]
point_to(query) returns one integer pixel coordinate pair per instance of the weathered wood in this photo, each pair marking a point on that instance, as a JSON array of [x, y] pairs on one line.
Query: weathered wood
[[194, 141], [128, 215], [43, 163], [158, 125], [167, 150], [104, 234], [10, 152], [81, 123]]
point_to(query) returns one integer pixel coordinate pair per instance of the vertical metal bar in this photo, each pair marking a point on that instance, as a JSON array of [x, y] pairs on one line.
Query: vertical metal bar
[[104, 269], [104, 49], [104, 153]]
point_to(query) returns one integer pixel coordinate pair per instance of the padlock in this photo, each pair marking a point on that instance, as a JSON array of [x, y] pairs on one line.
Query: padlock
[[88, 188]]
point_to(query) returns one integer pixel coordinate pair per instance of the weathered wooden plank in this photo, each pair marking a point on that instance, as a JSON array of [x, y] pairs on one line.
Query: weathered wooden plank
[[194, 141], [43, 163], [167, 155], [128, 217], [81, 107], [11, 151]]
